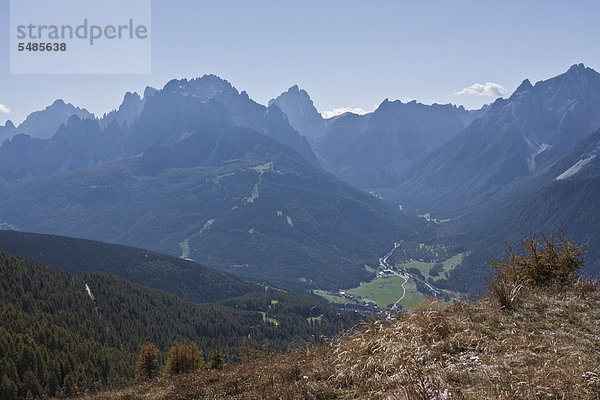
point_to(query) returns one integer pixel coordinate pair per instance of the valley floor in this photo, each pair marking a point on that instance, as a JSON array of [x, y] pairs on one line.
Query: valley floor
[[397, 286], [547, 347]]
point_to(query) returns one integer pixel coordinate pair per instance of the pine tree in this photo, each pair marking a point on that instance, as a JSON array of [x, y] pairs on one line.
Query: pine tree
[[31, 384], [147, 367], [217, 358], [8, 389], [52, 384]]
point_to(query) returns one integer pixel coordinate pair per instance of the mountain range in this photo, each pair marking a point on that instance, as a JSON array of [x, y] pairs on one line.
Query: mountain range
[[205, 173], [183, 108], [274, 193], [379, 148]]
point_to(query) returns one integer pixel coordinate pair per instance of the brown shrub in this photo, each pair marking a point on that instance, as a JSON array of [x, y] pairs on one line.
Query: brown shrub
[[544, 260]]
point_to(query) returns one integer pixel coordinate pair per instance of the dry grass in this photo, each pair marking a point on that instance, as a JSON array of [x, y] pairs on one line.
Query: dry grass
[[546, 346]]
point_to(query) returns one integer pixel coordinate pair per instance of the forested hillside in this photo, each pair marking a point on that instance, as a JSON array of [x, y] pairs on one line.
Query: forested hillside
[[62, 333], [183, 278]]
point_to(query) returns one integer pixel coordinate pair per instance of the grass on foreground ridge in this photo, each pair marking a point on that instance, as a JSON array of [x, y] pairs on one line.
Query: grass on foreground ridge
[[546, 345]]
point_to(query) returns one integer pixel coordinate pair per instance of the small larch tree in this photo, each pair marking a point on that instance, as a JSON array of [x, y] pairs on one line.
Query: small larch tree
[[147, 367], [184, 357]]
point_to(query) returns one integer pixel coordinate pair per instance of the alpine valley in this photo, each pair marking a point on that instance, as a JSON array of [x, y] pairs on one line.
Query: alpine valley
[[194, 215]]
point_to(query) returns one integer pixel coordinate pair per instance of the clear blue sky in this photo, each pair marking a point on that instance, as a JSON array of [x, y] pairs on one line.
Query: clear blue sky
[[345, 53]]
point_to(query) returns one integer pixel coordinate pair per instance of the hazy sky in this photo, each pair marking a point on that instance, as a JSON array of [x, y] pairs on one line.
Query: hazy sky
[[344, 53]]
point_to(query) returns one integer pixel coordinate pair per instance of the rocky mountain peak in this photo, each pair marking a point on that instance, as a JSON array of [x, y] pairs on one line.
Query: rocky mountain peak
[[524, 86], [149, 91], [300, 111], [58, 103], [577, 69]]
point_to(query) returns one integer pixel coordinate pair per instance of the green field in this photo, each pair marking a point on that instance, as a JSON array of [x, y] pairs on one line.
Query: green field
[[382, 291], [387, 290], [412, 298], [332, 299], [425, 267], [268, 319]]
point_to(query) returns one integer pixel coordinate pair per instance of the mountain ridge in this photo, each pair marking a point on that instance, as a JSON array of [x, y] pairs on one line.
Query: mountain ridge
[[160, 118], [378, 148], [516, 140], [44, 123]]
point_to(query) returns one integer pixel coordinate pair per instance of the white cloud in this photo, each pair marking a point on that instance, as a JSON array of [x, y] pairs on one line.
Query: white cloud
[[4, 109], [339, 111], [486, 89]]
